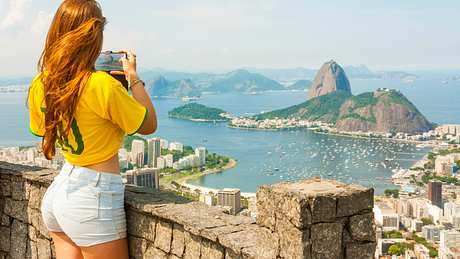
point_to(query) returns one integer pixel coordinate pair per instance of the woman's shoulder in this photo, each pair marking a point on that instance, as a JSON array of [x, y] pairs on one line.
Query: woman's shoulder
[[36, 83], [102, 80]]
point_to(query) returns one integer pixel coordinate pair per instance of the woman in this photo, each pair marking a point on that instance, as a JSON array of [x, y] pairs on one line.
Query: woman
[[87, 113]]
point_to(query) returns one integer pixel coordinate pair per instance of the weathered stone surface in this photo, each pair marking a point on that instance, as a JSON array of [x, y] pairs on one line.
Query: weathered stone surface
[[360, 251], [32, 252], [36, 195], [211, 250], [230, 254], [326, 240], [323, 208], [192, 246], [18, 191], [5, 220], [141, 225], [362, 227], [32, 233], [178, 241], [4, 239], [153, 252], [5, 186], [137, 247], [163, 236], [294, 243], [43, 248], [16, 209], [36, 220], [18, 240], [359, 199]]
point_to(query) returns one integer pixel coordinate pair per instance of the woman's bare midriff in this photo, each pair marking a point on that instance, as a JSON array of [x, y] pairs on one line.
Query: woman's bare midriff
[[111, 166]]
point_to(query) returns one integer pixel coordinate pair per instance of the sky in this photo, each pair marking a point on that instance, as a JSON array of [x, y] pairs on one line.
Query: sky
[[221, 35]]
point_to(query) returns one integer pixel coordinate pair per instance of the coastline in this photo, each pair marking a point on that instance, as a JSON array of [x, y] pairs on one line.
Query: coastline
[[231, 164]]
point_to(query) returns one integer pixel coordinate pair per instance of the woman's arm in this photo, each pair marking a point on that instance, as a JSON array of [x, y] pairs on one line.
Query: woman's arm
[[138, 91]]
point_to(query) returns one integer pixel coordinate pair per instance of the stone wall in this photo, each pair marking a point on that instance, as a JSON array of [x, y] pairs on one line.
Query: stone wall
[[308, 219]]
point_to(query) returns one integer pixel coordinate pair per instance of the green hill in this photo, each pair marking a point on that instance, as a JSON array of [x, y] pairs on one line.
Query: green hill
[[323, 108], [197, 112], [243, 81]]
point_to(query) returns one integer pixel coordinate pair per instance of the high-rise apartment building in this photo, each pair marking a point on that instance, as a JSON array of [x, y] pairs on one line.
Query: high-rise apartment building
[[153, 151], [231, 198], [137, 147], [201, 153], [435, 193], [145, 177]]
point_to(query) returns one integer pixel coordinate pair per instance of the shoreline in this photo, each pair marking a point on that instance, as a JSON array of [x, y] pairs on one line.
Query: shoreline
[[231, 164]]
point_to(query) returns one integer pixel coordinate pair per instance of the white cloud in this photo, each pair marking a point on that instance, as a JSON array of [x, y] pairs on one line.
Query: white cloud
[[41, 22], [15, 13]]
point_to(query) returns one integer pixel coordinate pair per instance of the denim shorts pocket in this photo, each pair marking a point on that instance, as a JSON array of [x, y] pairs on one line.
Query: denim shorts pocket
[[82, 202]]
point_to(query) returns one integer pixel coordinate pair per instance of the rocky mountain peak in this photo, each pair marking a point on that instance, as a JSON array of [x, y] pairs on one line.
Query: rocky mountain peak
[[330, 78]]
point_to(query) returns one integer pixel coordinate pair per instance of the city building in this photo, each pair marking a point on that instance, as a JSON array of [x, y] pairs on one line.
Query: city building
[[201, 153], [448, 239], [435, 213], [445, 165], [419, 207], [153, 151], [137, 147], [416, 225], [145, 177], [176, 146], [435, 193], [168, 160], [383, 244], [421, 251], [386, 217], [231, 198], [448, 129], [431, 232], [451, 210]]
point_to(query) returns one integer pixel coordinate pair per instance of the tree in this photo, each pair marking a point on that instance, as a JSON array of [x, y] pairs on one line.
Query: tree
[[433, 253], [427, 221], [394, 250], [392, 192]]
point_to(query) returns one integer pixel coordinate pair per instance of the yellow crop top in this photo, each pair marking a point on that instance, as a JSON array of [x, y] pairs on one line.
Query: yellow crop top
[[104, 114]]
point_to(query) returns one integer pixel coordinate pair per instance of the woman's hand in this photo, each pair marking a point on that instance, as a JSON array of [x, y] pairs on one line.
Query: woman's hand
[[129, 67]]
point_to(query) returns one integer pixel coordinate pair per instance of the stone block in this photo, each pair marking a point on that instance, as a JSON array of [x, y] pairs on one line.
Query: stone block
[[18, 191], [16, 209], [362, 227], [32, 252], [5, 186], [36, 220], [36, 195], [230, 254], [18, 241], [192, 246], [32, 233], [310, 201], [141, 225], [211, 250], [358, 200], [294, 243], [5, 239], [5, 220], [360, 250], [155, 253], [163, 236], [326, 240], [43, 248], [178, 240], [137, 247]]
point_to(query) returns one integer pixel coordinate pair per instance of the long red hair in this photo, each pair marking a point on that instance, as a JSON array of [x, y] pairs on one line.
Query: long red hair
[[72, 46]]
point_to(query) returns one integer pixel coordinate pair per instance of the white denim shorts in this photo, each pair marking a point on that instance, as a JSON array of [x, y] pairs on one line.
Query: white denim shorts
[[87, 205]]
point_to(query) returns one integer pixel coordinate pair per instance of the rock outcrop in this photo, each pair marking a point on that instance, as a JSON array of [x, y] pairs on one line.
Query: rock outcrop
[[330, 78], [387, 111]]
